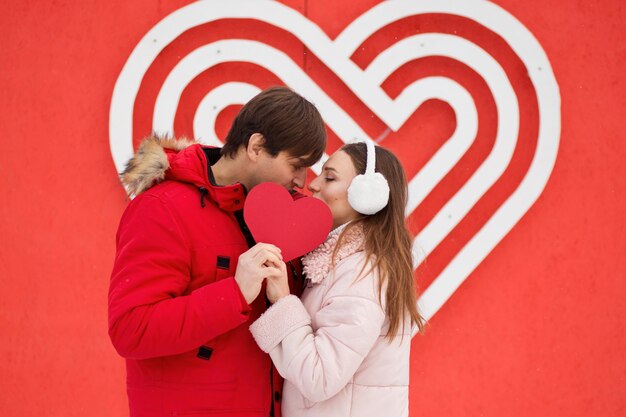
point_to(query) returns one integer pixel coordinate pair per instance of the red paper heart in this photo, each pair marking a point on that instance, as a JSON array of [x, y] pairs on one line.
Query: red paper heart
[[295, 226]]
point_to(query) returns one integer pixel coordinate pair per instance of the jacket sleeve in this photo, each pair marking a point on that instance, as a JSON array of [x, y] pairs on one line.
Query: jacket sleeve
[[148, 315], [321, 362]]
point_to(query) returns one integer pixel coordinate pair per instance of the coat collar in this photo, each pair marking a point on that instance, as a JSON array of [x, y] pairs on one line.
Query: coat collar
[[317, 264], [160, 158], [228, 197]]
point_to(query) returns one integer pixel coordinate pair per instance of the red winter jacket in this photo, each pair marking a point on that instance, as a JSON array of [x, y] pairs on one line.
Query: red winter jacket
[[175, 311]]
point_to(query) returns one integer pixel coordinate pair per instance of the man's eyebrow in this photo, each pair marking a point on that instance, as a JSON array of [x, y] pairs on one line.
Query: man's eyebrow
[[300, 161]]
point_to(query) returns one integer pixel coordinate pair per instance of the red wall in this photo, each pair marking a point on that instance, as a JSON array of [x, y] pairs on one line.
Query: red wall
[[536, 329]]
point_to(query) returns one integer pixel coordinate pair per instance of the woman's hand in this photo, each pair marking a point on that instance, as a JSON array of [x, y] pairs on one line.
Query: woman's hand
[[277, 285]]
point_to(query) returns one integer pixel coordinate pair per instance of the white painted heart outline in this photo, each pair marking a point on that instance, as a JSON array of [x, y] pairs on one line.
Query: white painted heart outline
[[366, 85]]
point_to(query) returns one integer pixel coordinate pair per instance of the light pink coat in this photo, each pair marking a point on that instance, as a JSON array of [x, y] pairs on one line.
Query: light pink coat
[[330, 345]]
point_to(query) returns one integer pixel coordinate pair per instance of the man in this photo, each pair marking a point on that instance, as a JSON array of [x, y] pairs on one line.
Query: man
[[187, 275]]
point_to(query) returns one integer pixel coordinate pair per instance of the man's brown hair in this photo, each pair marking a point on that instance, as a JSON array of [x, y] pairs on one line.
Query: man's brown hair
[[287, 121]]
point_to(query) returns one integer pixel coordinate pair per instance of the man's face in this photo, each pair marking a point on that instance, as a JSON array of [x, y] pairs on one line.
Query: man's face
[[283, 169]]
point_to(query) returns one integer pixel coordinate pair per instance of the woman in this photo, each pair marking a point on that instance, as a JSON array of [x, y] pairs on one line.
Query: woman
[[343, 348]]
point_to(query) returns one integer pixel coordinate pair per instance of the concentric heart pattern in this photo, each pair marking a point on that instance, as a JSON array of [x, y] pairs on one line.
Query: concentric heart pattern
[[461, 91]]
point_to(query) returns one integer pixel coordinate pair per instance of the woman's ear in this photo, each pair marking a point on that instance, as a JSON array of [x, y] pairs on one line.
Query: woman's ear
[[255, 146]]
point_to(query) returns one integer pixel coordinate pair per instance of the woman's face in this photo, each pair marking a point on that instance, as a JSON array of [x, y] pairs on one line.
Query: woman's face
[[331, 186]]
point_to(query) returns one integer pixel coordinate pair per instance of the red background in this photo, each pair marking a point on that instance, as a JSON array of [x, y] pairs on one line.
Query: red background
[[537, 329]]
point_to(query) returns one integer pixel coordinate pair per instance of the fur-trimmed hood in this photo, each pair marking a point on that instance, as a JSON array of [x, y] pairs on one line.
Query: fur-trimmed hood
[[160, 157]]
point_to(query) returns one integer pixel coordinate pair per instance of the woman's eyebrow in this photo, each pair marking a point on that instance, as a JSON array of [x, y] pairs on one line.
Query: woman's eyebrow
[[329, 169]]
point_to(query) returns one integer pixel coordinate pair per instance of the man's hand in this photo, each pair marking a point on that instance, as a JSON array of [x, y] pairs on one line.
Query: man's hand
[[254, 265], [277, 284]]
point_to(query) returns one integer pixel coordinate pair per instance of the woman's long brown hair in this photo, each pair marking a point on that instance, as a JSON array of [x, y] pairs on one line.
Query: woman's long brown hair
[[387, 240]]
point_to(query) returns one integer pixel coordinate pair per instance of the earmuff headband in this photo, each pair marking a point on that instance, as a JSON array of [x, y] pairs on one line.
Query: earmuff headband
[[371, 157], [369, 193]]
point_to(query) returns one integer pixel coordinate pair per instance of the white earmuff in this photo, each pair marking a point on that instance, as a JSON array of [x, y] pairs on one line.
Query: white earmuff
[[369, 193]]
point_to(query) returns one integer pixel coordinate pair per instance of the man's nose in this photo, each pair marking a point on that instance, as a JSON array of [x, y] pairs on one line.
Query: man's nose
[[300, 178]]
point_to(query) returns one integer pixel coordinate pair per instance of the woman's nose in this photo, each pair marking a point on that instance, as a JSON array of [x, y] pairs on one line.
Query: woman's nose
[[314, 185]]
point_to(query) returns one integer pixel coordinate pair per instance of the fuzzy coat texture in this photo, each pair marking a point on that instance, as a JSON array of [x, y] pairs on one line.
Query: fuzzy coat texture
[[176, 313], [331, 345]]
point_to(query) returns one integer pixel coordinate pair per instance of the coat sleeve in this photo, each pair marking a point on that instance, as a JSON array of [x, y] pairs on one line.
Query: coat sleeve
[[321, 362], [148, 315]]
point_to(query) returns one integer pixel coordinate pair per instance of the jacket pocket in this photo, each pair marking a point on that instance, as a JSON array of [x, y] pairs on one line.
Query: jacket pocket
[[222, 267], [210, 264]]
